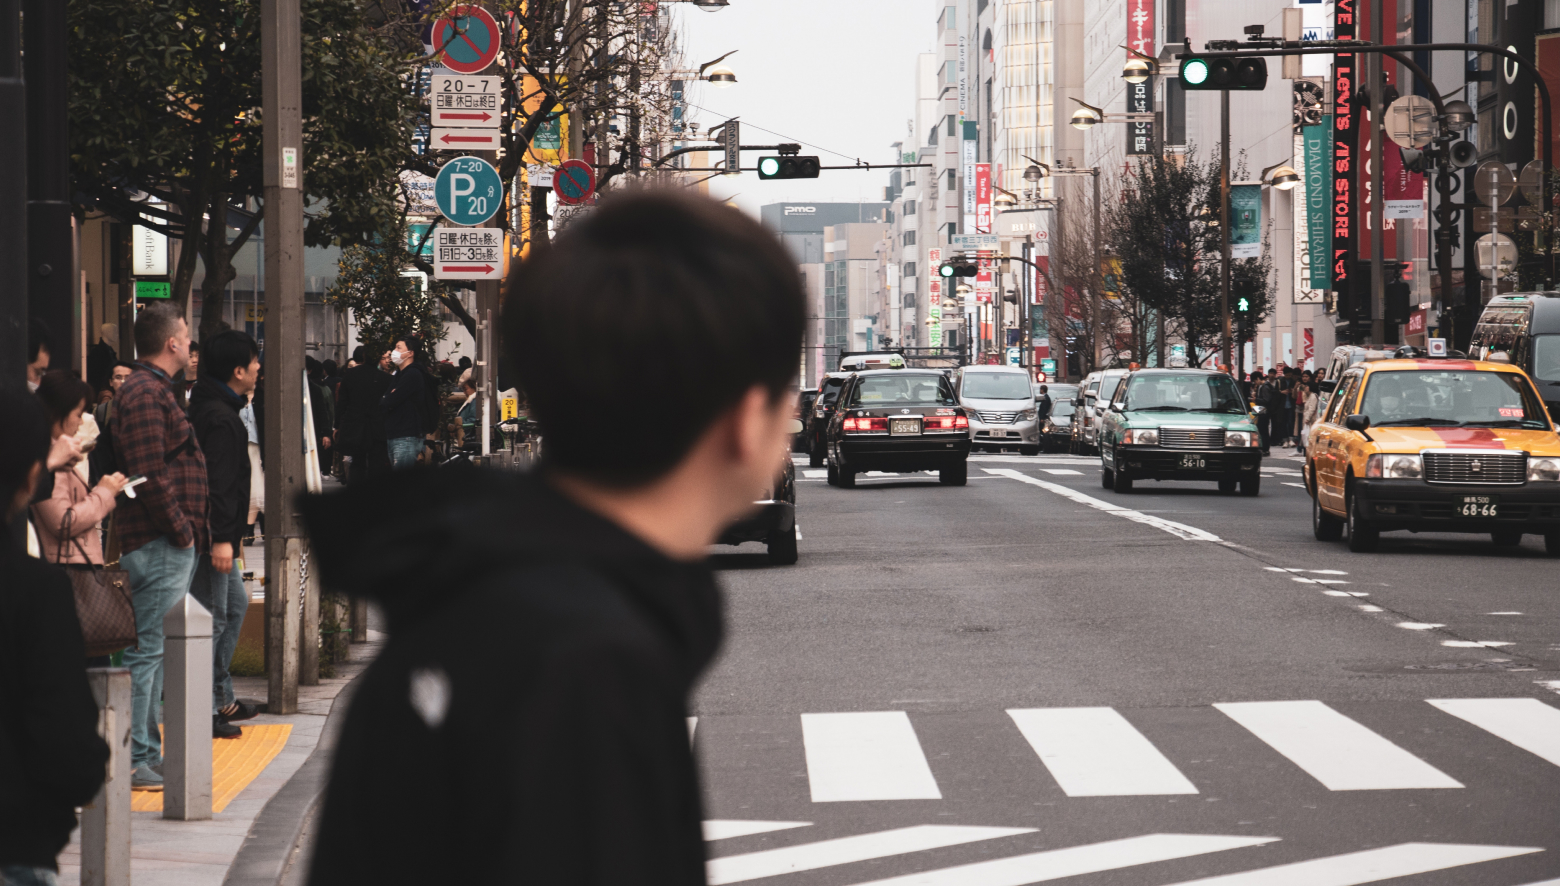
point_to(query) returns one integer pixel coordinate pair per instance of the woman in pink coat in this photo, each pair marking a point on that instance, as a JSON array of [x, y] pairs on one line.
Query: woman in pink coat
[[64, 397]]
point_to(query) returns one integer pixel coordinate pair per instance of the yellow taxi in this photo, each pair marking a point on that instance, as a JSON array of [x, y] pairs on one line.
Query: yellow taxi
[[1428, 444]]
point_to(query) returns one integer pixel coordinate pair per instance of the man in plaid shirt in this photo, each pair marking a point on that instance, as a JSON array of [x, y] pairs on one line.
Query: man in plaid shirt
[[163, 530]]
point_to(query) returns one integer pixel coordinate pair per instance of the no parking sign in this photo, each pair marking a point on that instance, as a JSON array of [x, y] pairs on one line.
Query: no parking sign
[[468, 39]]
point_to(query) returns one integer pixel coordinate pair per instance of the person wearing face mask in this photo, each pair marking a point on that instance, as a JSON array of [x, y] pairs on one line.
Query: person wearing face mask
[[404, 406]]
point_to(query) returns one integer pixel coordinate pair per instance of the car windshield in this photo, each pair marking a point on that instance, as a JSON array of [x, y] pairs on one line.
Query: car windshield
[[904, 390], [1062, 408], [996, 386], [1452, 398], [831, 391], [1193, 392], [1546, 357]]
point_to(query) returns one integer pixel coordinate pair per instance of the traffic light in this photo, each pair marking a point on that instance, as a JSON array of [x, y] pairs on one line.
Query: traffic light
[[786, 166], [1224, 73], [958, 268], [1243, 306]]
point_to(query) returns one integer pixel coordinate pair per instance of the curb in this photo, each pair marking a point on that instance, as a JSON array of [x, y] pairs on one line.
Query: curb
[[270, 848]]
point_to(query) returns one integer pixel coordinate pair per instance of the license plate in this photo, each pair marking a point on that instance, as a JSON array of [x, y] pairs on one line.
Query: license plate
[[902, 426], [1193, 461], [1477, 505]]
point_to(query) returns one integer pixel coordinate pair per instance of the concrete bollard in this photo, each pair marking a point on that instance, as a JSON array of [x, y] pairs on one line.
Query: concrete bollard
[[187, 711], [105, 822]]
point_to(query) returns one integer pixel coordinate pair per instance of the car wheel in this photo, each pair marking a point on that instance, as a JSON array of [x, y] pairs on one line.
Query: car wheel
[[782, 548], [1029, 450], [1107, 478], [1360, 535], [1552, 542], [957, 474], [847, 478], [834, 474], [1506, 538], [1324, 526], [1251, 486], [1123, 483], [1228, 486]]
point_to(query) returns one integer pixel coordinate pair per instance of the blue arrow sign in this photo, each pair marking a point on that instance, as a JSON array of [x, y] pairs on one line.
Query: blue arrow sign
[[468, 191]]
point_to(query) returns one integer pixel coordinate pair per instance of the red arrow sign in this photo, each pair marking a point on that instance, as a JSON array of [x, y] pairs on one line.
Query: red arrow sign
[[481, 269], [448, 139], [484, 116]]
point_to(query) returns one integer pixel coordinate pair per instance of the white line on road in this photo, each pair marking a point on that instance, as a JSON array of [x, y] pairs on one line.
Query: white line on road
[[1525, 722], [1095, 752], [1339, 752], [1295, 485], [1054, 864], [865, 756], [1371, 609], [1475, 644], [846, 850], [1502, 613], [726, 828], [693, 723], [1370, 866], [1179, 530], [816, 475], [1419, 625], [1062, 471]]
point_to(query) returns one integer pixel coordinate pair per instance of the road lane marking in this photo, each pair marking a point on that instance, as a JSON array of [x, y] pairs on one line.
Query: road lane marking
[[846, 850], [1502, 613], [1063, 471], [865, 756], [1096, 752], [1370, 866], [725, 828], [1419, 625], [1339, 752], [1054, 864], [693, 723], [1371, 609], [1179, 530], [1295, 485], [1525, 722], [816, 475], [1475, 644]]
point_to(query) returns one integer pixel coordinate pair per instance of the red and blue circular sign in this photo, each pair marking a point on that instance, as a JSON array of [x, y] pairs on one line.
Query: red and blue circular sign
[[467, 40], [574, 181]]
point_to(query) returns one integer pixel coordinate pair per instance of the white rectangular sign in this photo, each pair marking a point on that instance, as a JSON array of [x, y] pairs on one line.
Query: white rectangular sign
[[464, 139], [419, 194], [975, 242], [539, 175], [468, 253], [148, 253], [466, 101]]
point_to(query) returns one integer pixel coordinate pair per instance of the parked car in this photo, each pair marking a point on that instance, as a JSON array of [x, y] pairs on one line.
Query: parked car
[[1097, 390], [1056, 428], [1343, 357], [1525, 326], [1179, 424], [804, 405], [822, 411], [1001, 408], [773, 520], [898, 420]]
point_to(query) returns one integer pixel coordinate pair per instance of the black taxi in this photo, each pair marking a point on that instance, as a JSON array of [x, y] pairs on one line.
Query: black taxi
[[898, 420]]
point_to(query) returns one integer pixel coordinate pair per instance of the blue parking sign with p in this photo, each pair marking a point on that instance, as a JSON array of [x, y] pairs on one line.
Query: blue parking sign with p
[[468, 191]]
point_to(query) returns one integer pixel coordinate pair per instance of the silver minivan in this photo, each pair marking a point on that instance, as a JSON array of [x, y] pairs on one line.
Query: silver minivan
[[1093, 397], [1001, 407]]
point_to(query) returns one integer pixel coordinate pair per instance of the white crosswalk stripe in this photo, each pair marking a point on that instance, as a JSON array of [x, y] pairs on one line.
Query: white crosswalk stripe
[[1370, 866], [1339, 752], [1054, 864], [866, 756], [725, 829], [1525, 722], [1095, 752], [846, 850]]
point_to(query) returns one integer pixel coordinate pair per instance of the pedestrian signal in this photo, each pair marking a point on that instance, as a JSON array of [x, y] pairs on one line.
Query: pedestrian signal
[[1224, 73], [1243, 305], [958, 268], [787, 167]]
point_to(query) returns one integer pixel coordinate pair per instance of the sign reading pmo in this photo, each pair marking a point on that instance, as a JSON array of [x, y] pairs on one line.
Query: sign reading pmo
[[468, 191]]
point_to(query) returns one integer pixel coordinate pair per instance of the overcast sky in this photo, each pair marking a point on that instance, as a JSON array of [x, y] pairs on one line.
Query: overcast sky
[[835, 75]]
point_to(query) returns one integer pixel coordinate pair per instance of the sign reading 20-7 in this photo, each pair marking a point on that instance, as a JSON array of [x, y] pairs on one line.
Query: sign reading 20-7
[[468, 191]]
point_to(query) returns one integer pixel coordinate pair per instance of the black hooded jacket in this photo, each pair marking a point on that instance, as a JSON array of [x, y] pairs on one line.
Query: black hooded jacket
[[223, 438], [525, 723]]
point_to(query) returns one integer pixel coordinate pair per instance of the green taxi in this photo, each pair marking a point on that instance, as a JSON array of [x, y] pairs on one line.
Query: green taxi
[[1179, 424]]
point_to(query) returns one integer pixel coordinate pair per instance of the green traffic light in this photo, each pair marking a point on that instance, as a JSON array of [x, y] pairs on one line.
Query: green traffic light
[[946, 270], [769, 166], [1243, 305], [1195, 71]]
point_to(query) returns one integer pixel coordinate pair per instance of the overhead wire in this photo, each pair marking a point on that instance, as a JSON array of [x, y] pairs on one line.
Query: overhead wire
[[789, 138]]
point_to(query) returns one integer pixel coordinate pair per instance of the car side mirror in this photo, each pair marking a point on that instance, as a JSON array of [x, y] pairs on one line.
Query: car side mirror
[[1116, 407], [1259, 410], [1327, 386], [1357, 422], [794, 426]]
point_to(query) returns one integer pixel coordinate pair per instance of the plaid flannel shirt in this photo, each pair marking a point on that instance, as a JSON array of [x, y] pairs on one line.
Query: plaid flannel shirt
[[152, 437]]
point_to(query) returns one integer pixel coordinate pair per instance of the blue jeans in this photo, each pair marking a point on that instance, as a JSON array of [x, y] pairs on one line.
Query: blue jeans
[[159, 577], [26, 875], [227, 601], [403, 451]]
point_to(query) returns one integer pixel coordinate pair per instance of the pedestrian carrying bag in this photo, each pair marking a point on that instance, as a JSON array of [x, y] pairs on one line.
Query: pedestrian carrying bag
[[102, 594]]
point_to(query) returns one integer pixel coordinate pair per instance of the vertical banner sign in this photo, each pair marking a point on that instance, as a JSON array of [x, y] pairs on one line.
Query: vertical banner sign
[[1345, 138], [1318, 201], [1404, 191], [982, 198], [971, 136], [1140, 96], [1308, 343], [964, 83], [1245, 221]]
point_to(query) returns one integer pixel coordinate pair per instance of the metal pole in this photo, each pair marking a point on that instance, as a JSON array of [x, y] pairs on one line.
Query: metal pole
[[286, 552], [50, 282], [1224, 225], [105, 822], [187, 713], [13, 185], [1098, 278]]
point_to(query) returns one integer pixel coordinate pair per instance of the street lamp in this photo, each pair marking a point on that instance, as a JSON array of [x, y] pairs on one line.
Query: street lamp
[[722, 77], [1139, 68], [1281, 176], [1005, 199], [1458, 116], [1087, 116]]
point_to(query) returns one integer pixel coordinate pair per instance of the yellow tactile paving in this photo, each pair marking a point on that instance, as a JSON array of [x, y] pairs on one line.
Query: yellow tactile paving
[[235, 762]]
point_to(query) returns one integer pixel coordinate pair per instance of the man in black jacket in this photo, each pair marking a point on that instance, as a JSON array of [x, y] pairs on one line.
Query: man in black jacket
[[360, 426], [526, 721], [51, 758], [230, 367]]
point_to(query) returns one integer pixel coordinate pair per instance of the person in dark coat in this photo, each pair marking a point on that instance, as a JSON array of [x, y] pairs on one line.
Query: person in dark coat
[[546, 628], [360, 428], [406, 404], [51, 757]]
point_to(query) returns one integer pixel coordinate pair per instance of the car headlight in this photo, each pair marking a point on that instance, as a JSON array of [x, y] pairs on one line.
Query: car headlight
[[1141, 437], [1543, 469], [1027, 415], [1394, 467], [1238, 438]]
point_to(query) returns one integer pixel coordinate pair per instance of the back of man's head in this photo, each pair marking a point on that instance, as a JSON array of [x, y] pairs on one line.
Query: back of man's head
[[37, 339], [364, 355], [227, 351], [156, 323], [657, 288]]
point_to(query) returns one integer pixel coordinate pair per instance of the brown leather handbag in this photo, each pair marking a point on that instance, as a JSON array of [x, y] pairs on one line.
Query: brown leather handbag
[[103, 604]]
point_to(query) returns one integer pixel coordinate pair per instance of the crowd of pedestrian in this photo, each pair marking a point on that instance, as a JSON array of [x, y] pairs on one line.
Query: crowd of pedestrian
[[1287, 396]]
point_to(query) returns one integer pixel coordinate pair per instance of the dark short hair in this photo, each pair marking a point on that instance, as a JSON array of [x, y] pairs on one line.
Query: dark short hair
[[660, 286], [227, 351], [118, 363], [37, 338], [24, 441], [194, 347], [311, 365], [329, 366], [154, 326], [465, 363], [60, 391], [364, 355]]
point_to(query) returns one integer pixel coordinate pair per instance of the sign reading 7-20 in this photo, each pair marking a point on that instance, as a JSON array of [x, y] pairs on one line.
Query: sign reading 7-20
[[468, 191]]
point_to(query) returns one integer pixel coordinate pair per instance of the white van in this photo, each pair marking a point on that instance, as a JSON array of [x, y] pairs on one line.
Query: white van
[[1001, 407]]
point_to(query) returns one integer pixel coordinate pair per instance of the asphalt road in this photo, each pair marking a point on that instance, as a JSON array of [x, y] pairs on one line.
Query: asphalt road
[[1034, 679]]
